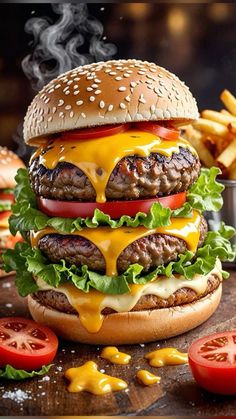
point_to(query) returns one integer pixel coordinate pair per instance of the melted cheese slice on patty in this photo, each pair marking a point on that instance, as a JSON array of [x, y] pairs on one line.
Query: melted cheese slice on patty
[[98, 157]]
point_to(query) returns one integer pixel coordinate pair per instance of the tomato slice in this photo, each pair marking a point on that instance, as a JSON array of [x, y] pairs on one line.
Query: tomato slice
[[73, 209], [212, 360], [5, 214], [166, 132], [7, 197], [96, 132], [25, 344]]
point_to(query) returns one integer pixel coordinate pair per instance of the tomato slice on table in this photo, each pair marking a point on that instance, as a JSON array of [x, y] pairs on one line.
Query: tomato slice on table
[[212, 360], [166, 132], [95, 132], [73, 209], [25, 344]]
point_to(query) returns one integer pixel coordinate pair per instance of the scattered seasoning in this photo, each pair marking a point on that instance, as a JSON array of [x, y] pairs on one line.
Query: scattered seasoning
[[17, 396]]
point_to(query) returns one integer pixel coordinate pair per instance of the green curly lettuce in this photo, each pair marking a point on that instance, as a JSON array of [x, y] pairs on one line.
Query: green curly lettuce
[[203, 195], [10, 373], [30, 262]]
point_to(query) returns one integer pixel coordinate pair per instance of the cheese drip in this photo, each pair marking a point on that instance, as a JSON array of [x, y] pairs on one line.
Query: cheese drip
[[147, 378], [90, 305], [88, 378], [112, 354], [98, 157], [166, 356], [111, 242]]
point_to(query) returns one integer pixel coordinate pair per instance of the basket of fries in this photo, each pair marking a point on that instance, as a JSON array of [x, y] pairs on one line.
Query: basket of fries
[[214, 137]]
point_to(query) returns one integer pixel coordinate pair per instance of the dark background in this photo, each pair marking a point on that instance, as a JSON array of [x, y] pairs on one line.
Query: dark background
[[195, 41]]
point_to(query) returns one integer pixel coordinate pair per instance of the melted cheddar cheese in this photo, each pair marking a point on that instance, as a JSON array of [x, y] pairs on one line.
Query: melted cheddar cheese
[[111, 242], [147, 378], [98, 157], [88, 378], [90, 305], [166, 356], [112, 354]]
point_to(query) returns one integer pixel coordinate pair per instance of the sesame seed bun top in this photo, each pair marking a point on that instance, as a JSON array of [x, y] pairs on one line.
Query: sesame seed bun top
[[9, 164], [111, 92]]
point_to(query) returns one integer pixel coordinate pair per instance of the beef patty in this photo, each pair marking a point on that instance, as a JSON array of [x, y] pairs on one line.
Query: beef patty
[[150, 251], [59, 301], [133, 178]]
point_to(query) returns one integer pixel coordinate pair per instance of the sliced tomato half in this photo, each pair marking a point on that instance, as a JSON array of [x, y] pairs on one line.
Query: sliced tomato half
[[96, 132], [212, 360], [167, 132], [72, 209], [25, 344]]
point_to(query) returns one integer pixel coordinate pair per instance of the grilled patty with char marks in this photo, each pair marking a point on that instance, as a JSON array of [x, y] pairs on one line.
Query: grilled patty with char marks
[[59, 301], [150, 251], [133, 178]]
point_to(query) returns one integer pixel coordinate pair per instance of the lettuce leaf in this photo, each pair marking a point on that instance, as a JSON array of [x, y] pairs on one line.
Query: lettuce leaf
[[5, 205], [28, 262], [10, 373], [203, 195]]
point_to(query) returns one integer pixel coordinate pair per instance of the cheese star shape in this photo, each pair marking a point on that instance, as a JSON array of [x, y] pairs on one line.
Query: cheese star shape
[[88, 378]]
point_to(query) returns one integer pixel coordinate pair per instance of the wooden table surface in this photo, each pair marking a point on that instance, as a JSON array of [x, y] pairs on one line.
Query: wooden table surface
[[177, 394]]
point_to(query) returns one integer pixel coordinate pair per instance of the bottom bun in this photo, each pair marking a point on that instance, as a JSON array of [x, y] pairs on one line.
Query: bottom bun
[[132, 327]]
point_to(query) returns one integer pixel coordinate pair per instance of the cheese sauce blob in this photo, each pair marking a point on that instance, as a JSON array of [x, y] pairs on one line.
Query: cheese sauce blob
[[115, 356], [166, 356], [147, 378], [88, 378], [111, 242], [98, 157]]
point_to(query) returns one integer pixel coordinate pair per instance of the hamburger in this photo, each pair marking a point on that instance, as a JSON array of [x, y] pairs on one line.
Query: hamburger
[[117, 249], [9, 164]]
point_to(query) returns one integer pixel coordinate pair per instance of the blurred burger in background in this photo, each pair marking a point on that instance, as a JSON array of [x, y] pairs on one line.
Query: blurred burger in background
[[9, 164]]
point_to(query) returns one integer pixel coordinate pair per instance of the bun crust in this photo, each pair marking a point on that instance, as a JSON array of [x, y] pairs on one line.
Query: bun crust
[[112, 92], [132, 327], [9, 164]]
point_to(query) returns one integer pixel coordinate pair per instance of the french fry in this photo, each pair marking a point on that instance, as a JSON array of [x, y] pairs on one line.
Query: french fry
[[211, 127], [225, 112], [232, 171], [232, 128], [221, 118], [227, 157], [229, 101], [195, 138]]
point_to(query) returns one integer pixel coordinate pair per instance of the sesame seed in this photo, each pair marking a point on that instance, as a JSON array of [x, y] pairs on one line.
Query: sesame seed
[[129, 71], [153, 107], [153, 70], [76, 92], [61, 102], [101, 104], [61, 115], [68, 107], [83, 115], [141, 99], [77, 79], [97, 81], [110, 107], [97, 92], [133, 84], [66, 88], [141, 72], [122, 89], [47, 100], [113, 73], [89, 77], [54, 109], [122, 105], [71, 114], [92, 98], [94, 85], [89, 89], [127, 98], [118, 78], [50, 119], [51, 90], [126, 75], [75, 86], [57, 86], [69, 82], [67, 92], [79, 102]]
